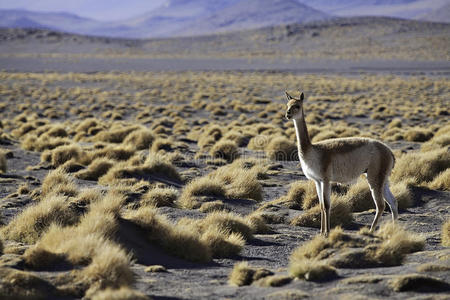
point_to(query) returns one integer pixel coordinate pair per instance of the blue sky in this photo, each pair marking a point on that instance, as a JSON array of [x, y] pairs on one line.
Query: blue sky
[[96, 9]]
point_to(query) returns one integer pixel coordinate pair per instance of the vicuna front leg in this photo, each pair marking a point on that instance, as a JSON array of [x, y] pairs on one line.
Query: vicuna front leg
[[323, 189]]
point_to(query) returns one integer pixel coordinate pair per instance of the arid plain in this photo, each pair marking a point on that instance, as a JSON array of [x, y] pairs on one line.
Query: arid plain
[[165, 169]]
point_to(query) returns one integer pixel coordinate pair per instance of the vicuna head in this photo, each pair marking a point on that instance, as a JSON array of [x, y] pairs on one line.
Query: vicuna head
[[294, 106]]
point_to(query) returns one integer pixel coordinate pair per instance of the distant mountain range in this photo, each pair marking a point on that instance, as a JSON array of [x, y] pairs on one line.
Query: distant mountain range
[[197, 17]]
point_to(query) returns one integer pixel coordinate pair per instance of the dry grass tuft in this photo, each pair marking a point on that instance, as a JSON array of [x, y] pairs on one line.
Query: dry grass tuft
[[421, 167], [242, 274], [118, 153], [63, 154], [430, 267], [28, 226], [208, 207], [273, 281], [418, 283], [159, 197], [195, 192], [154, 166], [239, 183], [96, 169], [140, 139], [280, 148], [418, 135], [340, 214], [445, 235], [123, 293], [20, 285], [176, 240], [312, 270], [227, 222], [227, 150], [223, 243], [155, 269], [441, 181], [60, 183]]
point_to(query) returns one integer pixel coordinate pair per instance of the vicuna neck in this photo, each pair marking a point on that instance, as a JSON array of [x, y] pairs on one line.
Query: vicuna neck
[[301, 131]]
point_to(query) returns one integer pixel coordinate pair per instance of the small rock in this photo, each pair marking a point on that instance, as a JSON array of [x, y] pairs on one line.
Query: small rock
[[155, 269]]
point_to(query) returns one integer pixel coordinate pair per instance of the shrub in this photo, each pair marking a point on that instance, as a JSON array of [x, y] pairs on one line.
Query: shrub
[[222, 243], [203, 186], [140, 139], [17, 284], [159, 197], [243, 274], [59, 182], [177, 240], [227, 150], [227, 222], [34, 220], [280, 148], [62, 154], [96, 169], [441, 181], [418, 283], [311, 270], [421, 167], [418, 135], [340, 214]]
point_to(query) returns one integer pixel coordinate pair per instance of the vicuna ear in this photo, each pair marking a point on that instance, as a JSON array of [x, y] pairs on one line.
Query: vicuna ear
[[302, 96], [289, 97]]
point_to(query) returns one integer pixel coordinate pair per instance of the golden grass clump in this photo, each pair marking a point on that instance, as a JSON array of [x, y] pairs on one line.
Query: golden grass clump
[[96, 169], [239, 182], [59, 182], [360, 198], [222, 243], [176, 240], [118, 153], [195, 191], [122, 293], [421, 167], [139, 139], [418, 283], [28, 226], [418, 135], [155, 165], [63, 154], [441, 181], [207, 207], [228, 222], [21, 285], [438, 141], [44, 142], [445, 235], [280, 148], [340, 214], [273, 281], [397, 242], [159, 197], [242, 274], [387, 247], [312, 270], [3, 162], [227, 150], [116, 134]]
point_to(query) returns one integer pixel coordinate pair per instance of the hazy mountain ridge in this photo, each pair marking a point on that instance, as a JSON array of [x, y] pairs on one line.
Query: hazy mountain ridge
[[198, 17]]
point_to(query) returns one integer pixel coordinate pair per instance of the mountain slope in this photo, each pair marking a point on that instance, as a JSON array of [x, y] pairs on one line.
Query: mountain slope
[[408, 9], [255, 14], [60, 21]]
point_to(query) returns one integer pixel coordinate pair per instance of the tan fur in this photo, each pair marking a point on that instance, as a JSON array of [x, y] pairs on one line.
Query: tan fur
[[342, 160]]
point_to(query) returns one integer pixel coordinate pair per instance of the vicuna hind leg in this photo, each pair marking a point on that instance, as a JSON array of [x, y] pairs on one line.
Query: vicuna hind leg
[[391, 201], [379, 205]]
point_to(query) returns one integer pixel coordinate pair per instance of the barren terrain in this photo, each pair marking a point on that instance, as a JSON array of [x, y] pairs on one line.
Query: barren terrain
[[121, 175]]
